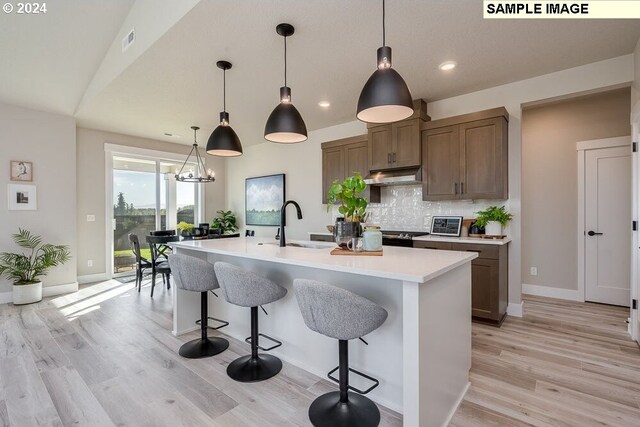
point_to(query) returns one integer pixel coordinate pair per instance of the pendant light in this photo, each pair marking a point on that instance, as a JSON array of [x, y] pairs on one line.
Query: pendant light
[[285, 124], [199, 175], [224, 141], [385, 98]]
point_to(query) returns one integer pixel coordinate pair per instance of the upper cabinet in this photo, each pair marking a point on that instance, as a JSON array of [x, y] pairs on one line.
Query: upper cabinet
[[397, 145], [343, 158], [466, 157]]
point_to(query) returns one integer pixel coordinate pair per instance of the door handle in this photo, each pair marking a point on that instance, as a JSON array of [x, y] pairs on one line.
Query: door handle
[[394, 157], [593, 233]]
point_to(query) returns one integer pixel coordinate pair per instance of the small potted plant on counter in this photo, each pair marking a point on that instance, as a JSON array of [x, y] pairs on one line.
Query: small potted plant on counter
[[225, 222], [186, 230], [346, 194], [26, 269], [493, 219]]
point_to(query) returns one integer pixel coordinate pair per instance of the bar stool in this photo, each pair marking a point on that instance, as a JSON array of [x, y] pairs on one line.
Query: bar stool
[[196, 275], [247, 289], [343, 315]]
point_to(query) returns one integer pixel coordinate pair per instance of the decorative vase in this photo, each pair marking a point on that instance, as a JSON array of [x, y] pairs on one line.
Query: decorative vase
[[27, 294], [493, 228]]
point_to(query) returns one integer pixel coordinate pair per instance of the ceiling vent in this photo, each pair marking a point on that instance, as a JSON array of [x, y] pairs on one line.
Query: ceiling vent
[[128, 40]]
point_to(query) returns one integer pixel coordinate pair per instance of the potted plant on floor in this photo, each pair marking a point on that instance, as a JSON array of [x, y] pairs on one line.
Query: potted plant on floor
[[493, 219], [225, 222], [346, 194], [26, 269]]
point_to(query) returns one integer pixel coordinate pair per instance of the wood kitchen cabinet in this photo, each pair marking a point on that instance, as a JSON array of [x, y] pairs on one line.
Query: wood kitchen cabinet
[[343, 158], [397, 145], [466, 157], [489, 278]]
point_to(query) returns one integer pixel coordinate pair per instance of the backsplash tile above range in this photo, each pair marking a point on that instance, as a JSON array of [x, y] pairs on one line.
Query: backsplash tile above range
[[402, 208]]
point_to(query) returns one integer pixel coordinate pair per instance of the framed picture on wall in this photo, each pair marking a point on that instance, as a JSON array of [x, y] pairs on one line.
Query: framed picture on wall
[[264, 196], [22, 197], [21, 171]]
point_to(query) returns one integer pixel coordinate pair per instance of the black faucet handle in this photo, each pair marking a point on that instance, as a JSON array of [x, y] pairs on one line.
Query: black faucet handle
[[278, 234]]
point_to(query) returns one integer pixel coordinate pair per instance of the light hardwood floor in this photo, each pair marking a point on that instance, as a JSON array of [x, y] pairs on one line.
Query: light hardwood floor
[[104, 356]]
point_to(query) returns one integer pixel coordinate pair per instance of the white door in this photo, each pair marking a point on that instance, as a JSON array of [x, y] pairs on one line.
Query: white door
[[608, 225]]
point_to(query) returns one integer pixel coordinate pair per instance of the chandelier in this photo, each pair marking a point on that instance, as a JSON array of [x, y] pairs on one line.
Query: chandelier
[[197, 174]]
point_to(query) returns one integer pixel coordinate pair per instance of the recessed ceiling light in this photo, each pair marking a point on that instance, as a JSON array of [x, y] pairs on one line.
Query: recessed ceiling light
[[324, 104], [448, 65], [172, 135]]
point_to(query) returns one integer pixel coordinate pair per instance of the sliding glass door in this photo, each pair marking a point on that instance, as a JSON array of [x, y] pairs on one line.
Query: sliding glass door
[[146, 197]]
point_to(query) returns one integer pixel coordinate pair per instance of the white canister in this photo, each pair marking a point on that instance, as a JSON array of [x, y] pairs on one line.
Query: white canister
[[372, 238]]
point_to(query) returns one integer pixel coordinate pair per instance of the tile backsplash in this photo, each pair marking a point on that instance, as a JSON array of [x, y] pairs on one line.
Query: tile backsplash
[[402, 208]]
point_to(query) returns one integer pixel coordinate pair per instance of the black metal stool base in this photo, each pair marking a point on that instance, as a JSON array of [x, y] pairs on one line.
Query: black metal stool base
[[247, 370], [358, 411], [199, 348]]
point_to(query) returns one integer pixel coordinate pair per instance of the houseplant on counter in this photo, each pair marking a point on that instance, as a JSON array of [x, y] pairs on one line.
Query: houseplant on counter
[[186, 229], [493, 219], [346, 195], [225, 222], [26, 269]]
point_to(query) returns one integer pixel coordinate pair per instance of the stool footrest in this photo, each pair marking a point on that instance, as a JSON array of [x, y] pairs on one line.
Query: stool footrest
[[222, 322], [278, 343], [376, 383]]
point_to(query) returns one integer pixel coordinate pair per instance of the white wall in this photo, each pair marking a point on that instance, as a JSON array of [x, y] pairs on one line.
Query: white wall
[[302, 162], [91, 190], [635, 89], [49, 141]]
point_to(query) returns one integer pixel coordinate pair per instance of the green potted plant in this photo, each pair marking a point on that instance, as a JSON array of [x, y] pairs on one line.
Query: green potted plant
[[353, 207], [25, 269], [185, 229], [225, 222], [493, 219]]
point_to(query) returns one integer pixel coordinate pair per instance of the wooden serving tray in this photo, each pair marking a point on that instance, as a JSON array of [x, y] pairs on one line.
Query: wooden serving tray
[[339, 251]]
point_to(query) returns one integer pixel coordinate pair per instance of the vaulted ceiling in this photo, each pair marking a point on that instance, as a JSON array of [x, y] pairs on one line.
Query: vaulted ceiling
[[70, 61]]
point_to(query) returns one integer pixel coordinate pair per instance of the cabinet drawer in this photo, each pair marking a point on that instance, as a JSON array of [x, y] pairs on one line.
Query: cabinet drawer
[[484, 251], [432, 245]]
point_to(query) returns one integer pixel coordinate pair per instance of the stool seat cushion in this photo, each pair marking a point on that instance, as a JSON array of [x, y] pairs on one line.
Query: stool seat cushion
[[245, 288], [336, 312], [193, 274]]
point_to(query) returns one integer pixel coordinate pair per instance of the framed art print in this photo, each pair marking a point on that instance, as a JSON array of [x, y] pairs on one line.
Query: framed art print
[[264, 196], [22, 197], [21, 171]]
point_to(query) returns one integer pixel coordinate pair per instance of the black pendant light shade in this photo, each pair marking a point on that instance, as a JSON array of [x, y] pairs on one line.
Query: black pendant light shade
[[285, 124], [224, 141], [385, 98]]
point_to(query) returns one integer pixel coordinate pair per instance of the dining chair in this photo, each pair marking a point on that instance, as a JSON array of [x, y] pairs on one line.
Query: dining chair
[[159, 262], [141, 262]]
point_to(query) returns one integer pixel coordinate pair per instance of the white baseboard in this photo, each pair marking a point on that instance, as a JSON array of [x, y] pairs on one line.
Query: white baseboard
[[92, 278], [548, 291], [514, 309], [457, 405], [47, 291]]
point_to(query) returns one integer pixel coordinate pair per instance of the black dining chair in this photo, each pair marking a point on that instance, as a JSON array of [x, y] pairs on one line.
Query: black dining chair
[[159, 262], [141, 262]]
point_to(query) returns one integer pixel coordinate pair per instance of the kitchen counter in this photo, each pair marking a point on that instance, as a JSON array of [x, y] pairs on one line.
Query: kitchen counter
[[421, 355], [476, 240]]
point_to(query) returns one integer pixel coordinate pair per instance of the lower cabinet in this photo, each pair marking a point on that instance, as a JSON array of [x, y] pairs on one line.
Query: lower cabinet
[[489, 278]]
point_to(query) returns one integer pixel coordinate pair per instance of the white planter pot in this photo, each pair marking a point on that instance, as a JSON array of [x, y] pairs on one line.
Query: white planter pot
[[27, 294], [493, 228]]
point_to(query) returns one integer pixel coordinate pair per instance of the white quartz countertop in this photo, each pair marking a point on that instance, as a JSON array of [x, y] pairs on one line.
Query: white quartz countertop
[[476, 240], [397, 263]]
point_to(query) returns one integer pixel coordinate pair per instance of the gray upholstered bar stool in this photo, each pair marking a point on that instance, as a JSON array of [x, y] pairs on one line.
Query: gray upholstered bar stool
[[343, 315], [247, 289], [196, 275]]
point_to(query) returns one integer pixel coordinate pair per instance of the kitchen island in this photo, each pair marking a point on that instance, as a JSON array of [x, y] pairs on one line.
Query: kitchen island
[[421, 355]]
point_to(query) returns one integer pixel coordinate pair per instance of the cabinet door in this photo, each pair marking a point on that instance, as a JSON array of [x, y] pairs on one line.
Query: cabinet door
[[379, 147], [484, 288], [483, 156], [332, 168], [441, 163], [405, 146], [356, 159], [425, 244]]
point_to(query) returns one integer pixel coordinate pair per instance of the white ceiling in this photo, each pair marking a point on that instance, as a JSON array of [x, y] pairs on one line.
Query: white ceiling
[[174, 83]]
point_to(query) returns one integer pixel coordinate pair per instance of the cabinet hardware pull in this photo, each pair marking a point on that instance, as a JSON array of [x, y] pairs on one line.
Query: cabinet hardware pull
[[455, 188], [389, 158], [394, 157], [471, 250], [462, 188]]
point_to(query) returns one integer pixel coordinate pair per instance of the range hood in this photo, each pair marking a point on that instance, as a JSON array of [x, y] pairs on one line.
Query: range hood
[[395, 177]]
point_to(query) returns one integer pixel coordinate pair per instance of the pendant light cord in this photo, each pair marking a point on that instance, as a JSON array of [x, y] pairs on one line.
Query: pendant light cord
[[285, 61], [224, 90], [383, 25]]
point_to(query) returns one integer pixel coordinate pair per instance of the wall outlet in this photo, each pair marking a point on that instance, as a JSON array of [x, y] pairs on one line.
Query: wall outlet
[[533, 271], [91, 218], [90, 263]]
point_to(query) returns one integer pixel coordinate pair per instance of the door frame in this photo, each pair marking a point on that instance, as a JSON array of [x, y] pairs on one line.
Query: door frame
[[125, 150], [634, 324], [582, 147]]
